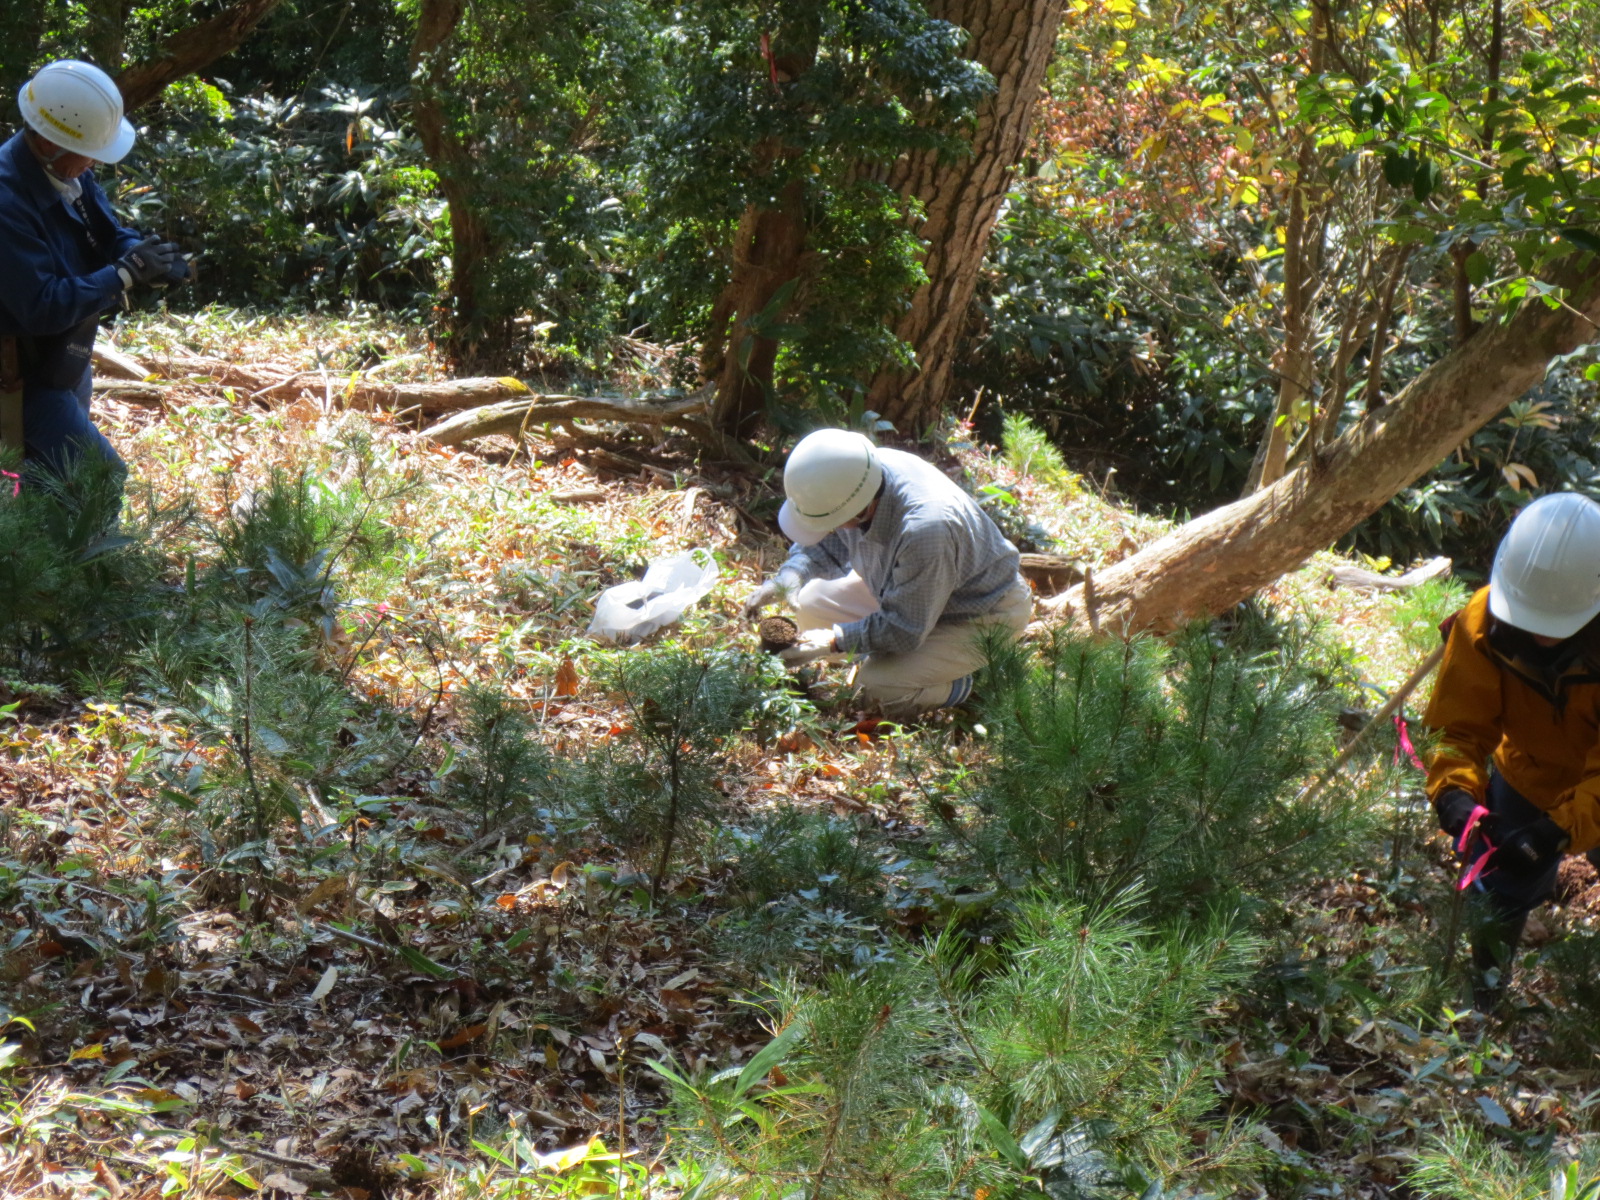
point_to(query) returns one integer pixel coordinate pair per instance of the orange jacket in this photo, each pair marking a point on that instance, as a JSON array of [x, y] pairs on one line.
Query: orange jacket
[[1537, 714]]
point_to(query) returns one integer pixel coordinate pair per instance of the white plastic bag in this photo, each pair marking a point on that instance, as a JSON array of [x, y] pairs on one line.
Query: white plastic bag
[[630, 611]]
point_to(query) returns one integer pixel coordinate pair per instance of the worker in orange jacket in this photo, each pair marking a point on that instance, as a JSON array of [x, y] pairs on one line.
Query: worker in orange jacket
[[1517, 704]]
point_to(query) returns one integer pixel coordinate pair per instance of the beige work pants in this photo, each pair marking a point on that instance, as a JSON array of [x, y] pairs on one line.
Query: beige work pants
[[903, 685]]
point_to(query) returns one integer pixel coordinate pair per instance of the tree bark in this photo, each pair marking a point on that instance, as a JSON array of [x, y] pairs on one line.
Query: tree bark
[[1215, 561], [452, 160], [513, 416], [766, 255], [1295, 366], [1014, 40], [189, 50], [106, 37], [767, 251]]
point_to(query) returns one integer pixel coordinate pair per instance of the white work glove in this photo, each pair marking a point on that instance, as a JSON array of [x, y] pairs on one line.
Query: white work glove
[[769, 592], [813, 644]]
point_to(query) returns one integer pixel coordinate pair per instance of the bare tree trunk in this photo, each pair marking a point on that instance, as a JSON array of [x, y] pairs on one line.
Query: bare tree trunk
[[1219, 559], [192, 49], [1295, 368], [106, 34], [767, 252], [1014, 39], [451, 158], [766, 255]]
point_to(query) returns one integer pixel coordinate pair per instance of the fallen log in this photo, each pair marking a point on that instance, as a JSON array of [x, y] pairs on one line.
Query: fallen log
[[445, 395], [1051, 573], [127, 389], [1361, 580], [359, 391], [109, 361], [513, 416]]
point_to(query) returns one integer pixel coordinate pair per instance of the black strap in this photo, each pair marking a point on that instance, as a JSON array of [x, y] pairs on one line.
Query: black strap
[[95, 243]]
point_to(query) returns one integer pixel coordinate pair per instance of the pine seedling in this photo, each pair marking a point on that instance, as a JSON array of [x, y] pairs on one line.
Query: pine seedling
[[648, 787], [1068, 1065], [1461, 1164], [76, 587], [1174, 765], [502, 768], [253, 692]]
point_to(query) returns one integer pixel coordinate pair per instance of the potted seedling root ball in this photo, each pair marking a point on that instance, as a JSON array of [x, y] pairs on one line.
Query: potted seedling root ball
[[777, 634]]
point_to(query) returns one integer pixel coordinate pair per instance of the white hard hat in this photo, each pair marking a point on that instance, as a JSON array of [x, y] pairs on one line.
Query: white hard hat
[[830, 478], [1546, 576], [78, 107]]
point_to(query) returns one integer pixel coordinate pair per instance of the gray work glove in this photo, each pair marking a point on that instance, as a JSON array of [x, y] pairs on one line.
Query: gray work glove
[[769, 592], [153, 263], [813, 644]]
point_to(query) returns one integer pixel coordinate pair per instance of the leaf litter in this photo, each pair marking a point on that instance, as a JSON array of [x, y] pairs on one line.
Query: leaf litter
[[327, 1027]]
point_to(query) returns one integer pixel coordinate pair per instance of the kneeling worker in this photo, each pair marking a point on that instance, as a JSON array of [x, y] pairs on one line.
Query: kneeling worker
[[894, 564], [64, 259], [1517, 703]]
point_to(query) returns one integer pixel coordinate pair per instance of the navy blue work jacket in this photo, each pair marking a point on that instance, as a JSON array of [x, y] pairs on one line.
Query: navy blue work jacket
[[52, 279]]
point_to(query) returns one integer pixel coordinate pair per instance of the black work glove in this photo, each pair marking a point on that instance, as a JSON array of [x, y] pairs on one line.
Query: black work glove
[[181, 269], [1528, 851], [1453, 806], [153, 263]]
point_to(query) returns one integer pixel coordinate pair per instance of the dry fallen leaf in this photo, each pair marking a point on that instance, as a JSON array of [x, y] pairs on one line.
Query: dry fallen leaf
[[325, 984], [566, 678], [470, 1033]]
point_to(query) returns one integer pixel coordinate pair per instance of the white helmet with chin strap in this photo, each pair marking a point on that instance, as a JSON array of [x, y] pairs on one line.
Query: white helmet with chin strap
[[78, 107], [831, 477], [1546, 577]]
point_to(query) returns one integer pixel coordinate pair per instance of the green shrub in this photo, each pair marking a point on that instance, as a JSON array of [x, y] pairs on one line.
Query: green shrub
[[1574, 964], [1069, 1066], [1460, 1164], [252, 690], [807, 886], [75, 585], [1030, 452], [1174, 764], [502, 768], [649, 786], [250, 658], [1419, 611]]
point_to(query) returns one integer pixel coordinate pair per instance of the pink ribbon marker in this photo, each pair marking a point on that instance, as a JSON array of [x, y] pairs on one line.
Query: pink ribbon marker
[[1474, 870], [1403, 737], [16, 483]]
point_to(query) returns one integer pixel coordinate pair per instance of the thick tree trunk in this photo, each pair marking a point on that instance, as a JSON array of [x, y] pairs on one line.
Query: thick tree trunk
[[1014, 39], [1219, 559], [192, 49], [105, 36], [767, 251], [766, 255], [452, 160]]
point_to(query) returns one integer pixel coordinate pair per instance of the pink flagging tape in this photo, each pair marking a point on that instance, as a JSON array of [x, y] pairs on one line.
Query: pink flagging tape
[[1403, 736], [1474, 870]]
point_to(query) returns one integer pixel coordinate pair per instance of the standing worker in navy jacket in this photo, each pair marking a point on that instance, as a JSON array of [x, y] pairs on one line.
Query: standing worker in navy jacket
[[64, 258]]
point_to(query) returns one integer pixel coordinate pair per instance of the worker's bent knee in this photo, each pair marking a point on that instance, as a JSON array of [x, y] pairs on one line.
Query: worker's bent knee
[[57, 430], [904, 703]]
